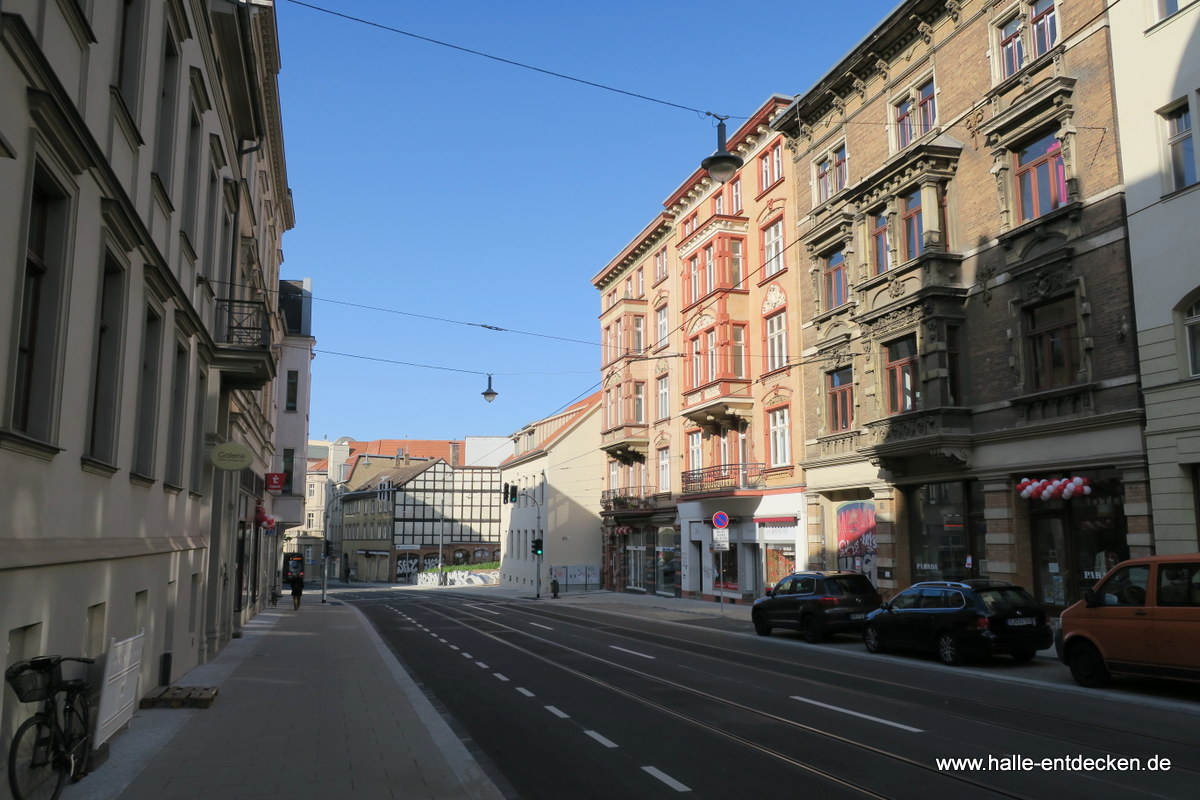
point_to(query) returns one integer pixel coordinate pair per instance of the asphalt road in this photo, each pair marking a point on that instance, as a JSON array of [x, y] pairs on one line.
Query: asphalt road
[[572, 701]]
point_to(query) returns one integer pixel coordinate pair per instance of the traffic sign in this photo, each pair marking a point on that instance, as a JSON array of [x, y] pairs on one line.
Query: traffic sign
[[720, 539], [720, 520]]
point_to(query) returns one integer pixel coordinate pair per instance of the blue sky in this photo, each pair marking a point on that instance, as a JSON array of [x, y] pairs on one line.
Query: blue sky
[[434, 187]]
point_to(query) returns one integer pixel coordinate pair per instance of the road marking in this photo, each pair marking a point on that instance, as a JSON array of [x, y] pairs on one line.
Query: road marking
[[856, 714], [500, 677], [601, 739], [467, 655], [538, 624], [454, 647], [524, 691], [481, 608], [631, 652], [557, 713], [481, 665], [667, 779]]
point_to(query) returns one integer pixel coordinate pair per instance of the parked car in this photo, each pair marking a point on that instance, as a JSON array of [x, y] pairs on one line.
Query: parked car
[[1141, 618], [817, 604], [958, 619]]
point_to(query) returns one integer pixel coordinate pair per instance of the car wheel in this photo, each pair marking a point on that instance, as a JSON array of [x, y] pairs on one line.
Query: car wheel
[[760, 625], [948, 650], [873, 639], [811, 629], [1087, 665], [1024, 655]]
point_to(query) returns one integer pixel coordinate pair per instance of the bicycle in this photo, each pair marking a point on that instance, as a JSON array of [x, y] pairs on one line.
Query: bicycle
[[54, 742]]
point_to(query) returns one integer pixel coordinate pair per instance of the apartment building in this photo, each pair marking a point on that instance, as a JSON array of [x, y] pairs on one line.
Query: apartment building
[[144, 200], [1156, 69], [702, 400], [552, 476], [967, 342]]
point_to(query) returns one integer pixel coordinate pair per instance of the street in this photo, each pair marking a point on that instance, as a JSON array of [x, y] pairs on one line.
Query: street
[[570, 700]]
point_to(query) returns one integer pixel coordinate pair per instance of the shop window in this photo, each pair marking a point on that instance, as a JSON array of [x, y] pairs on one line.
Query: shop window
[[947, 531]]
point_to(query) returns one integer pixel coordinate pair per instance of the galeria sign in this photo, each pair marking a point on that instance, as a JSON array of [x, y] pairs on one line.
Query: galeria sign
[[231, 456]]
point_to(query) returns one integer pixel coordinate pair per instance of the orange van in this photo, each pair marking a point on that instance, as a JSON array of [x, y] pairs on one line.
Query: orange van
[[1141, 618]]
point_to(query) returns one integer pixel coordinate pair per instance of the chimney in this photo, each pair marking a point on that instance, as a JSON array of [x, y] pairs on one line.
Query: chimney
[[454, 454]]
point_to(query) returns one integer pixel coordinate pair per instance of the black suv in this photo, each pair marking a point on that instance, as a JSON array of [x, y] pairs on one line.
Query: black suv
[[955, 619], [816, 603]]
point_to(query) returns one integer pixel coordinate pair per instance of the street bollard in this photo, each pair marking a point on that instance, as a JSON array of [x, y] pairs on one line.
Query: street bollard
[[554, 589]]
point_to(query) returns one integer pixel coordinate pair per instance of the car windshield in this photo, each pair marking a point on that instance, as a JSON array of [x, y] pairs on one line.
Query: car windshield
[[1008, 598], [849, 584]]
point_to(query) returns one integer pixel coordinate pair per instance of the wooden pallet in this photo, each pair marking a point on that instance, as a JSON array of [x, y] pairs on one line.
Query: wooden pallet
[[180, 697]]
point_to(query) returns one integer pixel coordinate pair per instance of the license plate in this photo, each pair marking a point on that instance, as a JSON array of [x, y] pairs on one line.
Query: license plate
[[858, 616], [1022, 621]]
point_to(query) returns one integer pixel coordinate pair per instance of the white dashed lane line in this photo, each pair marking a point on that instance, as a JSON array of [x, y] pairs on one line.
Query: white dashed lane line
[[500, 677], [601, 739], [632, 652], [524, 691], [557, 713], [540, 625], [667, 779], [857, 714]]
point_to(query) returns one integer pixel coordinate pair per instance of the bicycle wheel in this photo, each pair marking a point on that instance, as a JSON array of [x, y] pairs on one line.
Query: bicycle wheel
[[75, 726], [32, 773]]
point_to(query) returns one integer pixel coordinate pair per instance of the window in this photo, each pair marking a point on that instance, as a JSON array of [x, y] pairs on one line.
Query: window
[[178, 421], [147, 413], [660, 265], [694, 279], [1041, 178], [736, 265], [41, 297], [289, 469], [312, 490], [1053, 344], [695, 454], [164, 132], [293, 390], [1166, 8], [710, 269], [901, 368], [710, 343], [773, 249], [664, 469], [639, 402], [777, 342], [1012, 49], [835, 280], [770, 167], [911, 227], [690, 224], [881, 243], [664, 396], [1180, 151], [737, 366], [718, 204], [735, 195], [129, 54], [904, 123], [639, 335], [662, 329], [840, 390], [1191, 323], [781, 437], [831, 174], [698, 377], [641, 282], [926, 108], [105, 372], [1043, 25]]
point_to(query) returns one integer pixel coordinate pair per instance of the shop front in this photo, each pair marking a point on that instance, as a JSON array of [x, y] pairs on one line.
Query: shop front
[[947, 531]]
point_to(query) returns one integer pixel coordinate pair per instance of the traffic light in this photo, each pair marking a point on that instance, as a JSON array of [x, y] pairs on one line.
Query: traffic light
[[504, 497], [512, 493], [537, 547]]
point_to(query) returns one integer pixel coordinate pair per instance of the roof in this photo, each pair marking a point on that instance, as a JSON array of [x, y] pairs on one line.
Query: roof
[[551, 429]]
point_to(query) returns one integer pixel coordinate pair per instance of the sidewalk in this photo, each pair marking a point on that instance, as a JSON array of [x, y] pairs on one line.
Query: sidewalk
[[312, 705]]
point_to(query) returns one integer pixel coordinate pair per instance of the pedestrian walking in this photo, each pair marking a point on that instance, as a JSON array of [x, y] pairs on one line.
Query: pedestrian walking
[[297, 590]]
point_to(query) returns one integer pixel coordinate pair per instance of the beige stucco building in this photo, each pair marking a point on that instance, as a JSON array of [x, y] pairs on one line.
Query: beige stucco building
[[143, 197]]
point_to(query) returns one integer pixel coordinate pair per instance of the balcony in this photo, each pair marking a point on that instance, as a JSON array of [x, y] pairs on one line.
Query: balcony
[[627, 443], [725, 478], [942, 434], [243, 339], [630, 498], [720, 405]]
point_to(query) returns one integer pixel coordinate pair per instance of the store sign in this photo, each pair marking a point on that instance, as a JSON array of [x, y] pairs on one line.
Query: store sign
[[231, 456], [276, 481]]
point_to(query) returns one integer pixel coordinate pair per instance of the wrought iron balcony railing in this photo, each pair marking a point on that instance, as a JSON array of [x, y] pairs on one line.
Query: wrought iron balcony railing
[[631, 497], [723, 478], [242, 323]]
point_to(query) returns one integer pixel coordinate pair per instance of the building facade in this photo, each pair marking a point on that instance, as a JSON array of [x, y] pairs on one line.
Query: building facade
[[702, 400], [967, 340], [144, 200], [552, 477], [1156, 68]]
